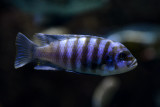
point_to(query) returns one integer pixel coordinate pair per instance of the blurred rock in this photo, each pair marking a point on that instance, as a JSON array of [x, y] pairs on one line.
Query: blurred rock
[[137, 33], [56, 30], [105, 92], [143, 39]]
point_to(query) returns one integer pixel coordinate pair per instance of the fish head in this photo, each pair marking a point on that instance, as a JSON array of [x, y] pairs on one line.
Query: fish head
[[118, 60]]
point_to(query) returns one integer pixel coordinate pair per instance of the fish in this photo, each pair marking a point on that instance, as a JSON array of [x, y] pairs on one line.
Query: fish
[[84, 54]]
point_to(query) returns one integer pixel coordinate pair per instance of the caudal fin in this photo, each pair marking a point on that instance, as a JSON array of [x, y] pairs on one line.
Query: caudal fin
[[25, 50]]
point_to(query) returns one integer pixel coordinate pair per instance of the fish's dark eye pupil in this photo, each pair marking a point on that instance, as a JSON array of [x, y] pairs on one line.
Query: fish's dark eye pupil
[[122, 56]]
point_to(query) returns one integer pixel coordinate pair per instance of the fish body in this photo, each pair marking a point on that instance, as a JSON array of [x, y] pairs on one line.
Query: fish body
[[79, 53]]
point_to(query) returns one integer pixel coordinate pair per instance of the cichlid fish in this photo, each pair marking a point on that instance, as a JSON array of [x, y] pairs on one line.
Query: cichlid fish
[[79, 53]]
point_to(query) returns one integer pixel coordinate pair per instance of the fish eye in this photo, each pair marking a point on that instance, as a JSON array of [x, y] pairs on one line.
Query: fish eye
[[122, 56]]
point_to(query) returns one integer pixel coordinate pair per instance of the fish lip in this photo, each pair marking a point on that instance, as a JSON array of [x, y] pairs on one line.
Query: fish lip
[[134, 63]]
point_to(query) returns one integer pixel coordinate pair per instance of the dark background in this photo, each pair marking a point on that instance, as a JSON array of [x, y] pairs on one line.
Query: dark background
[[26, 87]]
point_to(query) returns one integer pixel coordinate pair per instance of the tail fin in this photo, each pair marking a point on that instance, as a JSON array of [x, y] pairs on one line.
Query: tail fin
[[25, 50]]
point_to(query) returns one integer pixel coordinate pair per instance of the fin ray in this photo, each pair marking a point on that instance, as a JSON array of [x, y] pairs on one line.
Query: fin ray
[[25, 48]]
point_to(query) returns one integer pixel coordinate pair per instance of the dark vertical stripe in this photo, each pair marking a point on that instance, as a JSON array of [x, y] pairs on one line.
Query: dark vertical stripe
[[74, 54], [94, 62], [114, 52], [116, 66], [57, 53], [103, 61], [84, 55], [65, 58]]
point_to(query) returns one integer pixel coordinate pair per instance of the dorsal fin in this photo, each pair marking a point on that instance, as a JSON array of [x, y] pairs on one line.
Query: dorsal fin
[[40, 39], [47, 38], [63, 36], [57, 36]]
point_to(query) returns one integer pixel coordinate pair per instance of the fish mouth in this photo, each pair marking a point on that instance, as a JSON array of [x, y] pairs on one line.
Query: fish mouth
[[134, 63]]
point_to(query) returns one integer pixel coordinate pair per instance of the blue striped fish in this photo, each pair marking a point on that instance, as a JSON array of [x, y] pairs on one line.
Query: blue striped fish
[[78, 53]]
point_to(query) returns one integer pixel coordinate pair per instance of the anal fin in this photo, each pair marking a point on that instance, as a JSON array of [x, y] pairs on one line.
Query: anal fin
[[44, 65], [39, 67]]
